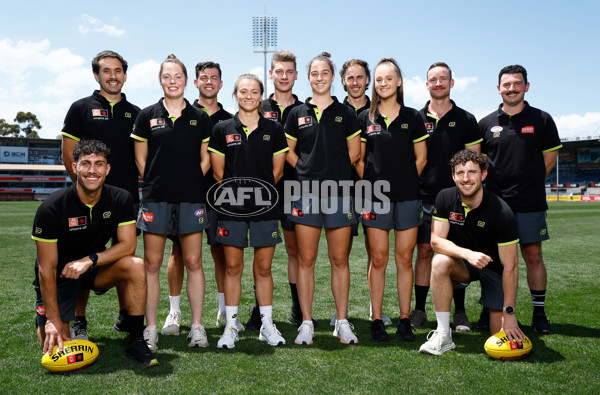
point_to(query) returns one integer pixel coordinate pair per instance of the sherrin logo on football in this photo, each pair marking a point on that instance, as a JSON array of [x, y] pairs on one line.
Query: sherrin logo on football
[[498, 346], [76, 354]]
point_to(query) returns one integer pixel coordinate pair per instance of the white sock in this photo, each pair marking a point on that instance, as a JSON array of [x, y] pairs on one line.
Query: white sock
[[221, 299], [266, 314], [370, 308], [443, 320], [231, 313], [174, 301]]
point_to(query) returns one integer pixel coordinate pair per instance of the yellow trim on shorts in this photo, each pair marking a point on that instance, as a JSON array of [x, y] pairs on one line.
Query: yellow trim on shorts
[[508, 243]]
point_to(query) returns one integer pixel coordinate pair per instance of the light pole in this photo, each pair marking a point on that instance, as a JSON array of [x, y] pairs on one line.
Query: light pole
[[264, 38]]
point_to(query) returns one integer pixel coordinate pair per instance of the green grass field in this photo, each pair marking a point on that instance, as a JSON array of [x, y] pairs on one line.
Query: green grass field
[[567, 362]]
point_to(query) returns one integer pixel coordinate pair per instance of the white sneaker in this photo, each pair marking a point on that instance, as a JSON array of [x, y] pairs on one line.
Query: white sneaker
[[230, 336], [271, 335], [334, 318], [438, 342], [198, 337], [343, 331], [171, 326], [306, 332], [151, 337], [222, 322]]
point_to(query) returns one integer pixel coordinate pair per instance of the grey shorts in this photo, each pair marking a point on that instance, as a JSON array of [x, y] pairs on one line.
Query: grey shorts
[[338, 212], [211, 231], [286, 222], [492, 293], [166, 218], [424, 235], [532, 227], [400, 216], [67, 293], [236, 233]]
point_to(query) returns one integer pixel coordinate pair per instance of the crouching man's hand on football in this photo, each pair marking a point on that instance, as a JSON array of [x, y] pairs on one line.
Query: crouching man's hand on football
[[510, 326], [54, 336]]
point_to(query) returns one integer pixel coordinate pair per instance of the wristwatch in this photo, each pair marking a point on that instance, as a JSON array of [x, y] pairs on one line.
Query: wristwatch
[[94, 258], [508, 309]]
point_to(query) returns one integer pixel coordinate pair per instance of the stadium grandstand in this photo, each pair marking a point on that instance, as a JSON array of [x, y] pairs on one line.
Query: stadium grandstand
[[32, 169]]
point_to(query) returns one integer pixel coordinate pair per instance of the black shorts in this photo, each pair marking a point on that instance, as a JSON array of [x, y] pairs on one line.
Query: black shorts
[[67, 293], [424, 234], [492, 293], [261, 233]]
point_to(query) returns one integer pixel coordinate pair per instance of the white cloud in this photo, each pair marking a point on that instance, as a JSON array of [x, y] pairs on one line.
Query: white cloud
[[415, 92], [68, 84], [95, 25], [143, 75], [461, 83], [575, 125]]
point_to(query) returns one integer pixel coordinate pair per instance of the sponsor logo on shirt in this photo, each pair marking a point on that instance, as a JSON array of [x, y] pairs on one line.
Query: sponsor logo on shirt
[[297, 213], [77, 221], [99, 113], [304, 121], [404, 126], [338, 119], [270, 114], [527, 129], [373, 128], [452, 124], [106, 214], [199, 213], [233, 138], [157, 123], [429, 127], [147, 217], [267, 137], [127, 115], [496, 131], [193, 122], [456, 218], [481, 224]]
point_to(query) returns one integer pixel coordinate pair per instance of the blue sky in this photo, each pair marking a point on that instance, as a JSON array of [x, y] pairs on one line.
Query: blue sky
[[47, 48]]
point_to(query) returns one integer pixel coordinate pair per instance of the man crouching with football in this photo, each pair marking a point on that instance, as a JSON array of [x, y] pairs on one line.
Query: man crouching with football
[[475, 237], [71, 230]]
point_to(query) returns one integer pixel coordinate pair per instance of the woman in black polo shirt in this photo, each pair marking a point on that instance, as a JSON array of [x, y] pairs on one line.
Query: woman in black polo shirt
[[323, 136], [393, 151], [171, 141], [247, 155]]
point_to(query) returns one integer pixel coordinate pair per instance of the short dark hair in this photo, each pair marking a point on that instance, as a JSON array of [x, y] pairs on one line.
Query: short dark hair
[[283, 56], [513, 69], [439, 64], [207, 65], [467, 155], [107, 54], [91, 147], [355, 62]]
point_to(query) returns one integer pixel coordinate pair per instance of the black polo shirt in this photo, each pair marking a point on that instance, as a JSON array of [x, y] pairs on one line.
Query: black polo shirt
[[249, 153], [390, 153], [358, 111], [80, 230], [95, 118], [173, 172], [322, 140], [275, 112], [456, 130], [482, 229], [219, 116], [515, 147]]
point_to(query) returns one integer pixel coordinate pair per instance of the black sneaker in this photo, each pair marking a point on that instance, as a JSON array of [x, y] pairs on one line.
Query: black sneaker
[[79, 330], [404, 331], [119, 325], [484, 320], [139, 353], [378, 332], [541, 325], [254, 322]]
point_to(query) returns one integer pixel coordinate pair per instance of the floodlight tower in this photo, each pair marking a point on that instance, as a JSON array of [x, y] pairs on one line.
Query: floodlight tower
[[264, 38]]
